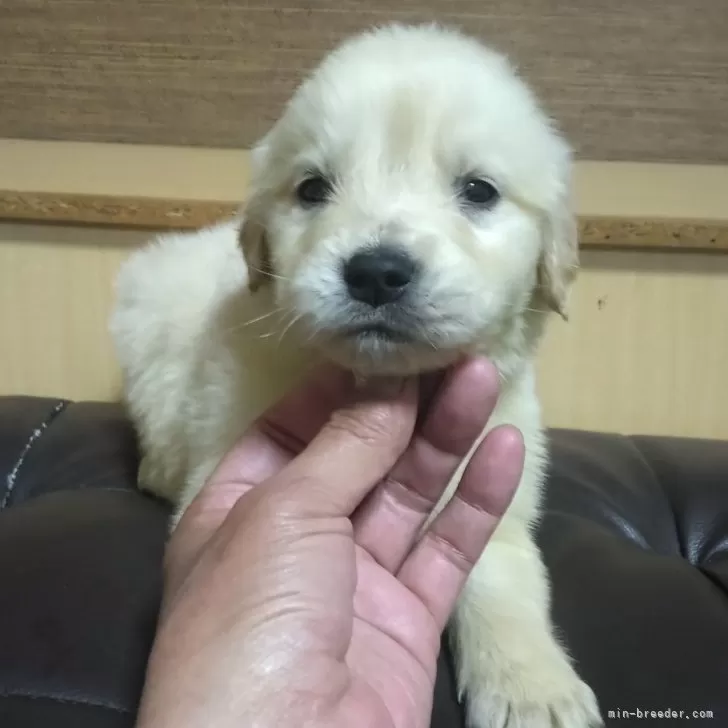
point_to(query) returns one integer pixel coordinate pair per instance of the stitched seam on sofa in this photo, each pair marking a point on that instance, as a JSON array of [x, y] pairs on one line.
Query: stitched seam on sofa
[[11, 479], [66, 701]]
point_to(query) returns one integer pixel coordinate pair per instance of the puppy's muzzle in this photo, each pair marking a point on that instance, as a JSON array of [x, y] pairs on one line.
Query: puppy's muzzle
[[379, 275]]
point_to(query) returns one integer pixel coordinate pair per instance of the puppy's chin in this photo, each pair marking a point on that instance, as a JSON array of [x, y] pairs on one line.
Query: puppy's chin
[[375, 354]]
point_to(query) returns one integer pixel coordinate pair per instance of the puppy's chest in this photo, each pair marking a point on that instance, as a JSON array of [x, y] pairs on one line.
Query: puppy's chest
[[258, 374]]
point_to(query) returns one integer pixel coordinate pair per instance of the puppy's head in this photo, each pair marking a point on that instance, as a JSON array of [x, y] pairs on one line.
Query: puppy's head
[[412, 204]]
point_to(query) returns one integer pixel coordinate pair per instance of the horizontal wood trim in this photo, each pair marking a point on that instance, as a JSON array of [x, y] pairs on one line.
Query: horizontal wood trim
[[166, 214], [655, 234], [111, 210]]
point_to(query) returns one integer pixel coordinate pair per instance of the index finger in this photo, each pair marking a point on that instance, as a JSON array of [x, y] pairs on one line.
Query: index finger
[[285, 429], [354, 450]]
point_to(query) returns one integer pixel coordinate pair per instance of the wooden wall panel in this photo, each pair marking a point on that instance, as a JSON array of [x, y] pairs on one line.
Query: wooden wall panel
[[636, 80]]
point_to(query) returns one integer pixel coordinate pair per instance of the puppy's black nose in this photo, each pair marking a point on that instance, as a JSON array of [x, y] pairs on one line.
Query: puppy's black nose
[[379, 275]]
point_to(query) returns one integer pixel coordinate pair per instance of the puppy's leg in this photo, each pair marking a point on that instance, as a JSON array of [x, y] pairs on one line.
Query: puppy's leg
[[511, 669]]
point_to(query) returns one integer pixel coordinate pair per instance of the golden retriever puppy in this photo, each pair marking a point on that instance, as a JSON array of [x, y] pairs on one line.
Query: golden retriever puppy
[[412, 204]]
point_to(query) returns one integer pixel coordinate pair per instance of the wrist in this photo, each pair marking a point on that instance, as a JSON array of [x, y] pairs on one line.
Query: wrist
[[281, 688]]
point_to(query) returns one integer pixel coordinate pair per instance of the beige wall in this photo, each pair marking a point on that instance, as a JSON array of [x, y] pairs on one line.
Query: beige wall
[[55, 296], [646, 349]]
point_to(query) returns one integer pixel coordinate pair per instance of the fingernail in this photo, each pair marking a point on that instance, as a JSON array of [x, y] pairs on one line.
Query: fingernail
[[381, 387]]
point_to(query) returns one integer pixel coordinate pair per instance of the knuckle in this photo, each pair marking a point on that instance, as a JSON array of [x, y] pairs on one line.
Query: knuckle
[[455, 555], [407, 495]]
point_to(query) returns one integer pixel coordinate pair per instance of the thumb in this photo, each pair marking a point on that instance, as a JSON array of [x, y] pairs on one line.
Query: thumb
[[352, 453]]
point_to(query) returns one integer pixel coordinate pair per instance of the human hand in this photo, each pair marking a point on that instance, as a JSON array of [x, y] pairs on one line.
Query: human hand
[[297, 592]]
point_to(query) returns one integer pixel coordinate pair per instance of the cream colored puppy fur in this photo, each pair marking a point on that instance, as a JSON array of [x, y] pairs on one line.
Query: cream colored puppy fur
[[400, 129]]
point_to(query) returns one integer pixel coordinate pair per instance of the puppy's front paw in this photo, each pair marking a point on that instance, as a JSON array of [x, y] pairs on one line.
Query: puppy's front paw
[[543, 696]]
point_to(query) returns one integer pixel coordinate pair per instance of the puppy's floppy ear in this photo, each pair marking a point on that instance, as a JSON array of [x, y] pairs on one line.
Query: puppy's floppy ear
[[254, 244], [252, 235], [560, 256]]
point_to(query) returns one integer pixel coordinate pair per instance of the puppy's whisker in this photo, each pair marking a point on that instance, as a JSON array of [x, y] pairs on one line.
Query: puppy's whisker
[[268, 274], [432, 344], [288, 326], [244, 324], [422, 331], [268, 334], [276, 330], [280, 330], [279, 311]]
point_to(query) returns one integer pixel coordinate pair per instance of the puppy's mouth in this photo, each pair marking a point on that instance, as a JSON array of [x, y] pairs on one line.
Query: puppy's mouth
[[377, 332], [391, 342]]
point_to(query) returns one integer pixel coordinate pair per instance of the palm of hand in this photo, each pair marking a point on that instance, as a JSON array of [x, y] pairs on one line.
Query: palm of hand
[[335, 590], [372, 642], [392, 656]]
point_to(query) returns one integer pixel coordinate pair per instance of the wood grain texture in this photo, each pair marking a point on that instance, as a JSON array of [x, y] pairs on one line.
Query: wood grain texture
[[631, 80], [152, 214], [109, 210], [656, 234]]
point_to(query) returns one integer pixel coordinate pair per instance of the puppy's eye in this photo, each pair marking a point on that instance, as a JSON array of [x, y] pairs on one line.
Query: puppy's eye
[[478, 192], [313, 190]]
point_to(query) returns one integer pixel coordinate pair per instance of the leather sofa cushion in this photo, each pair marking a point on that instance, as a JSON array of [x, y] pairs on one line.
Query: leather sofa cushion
[[635, 536]]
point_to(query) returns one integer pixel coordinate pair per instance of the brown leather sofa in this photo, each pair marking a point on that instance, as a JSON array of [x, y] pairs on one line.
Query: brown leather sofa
[[635, 537]]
